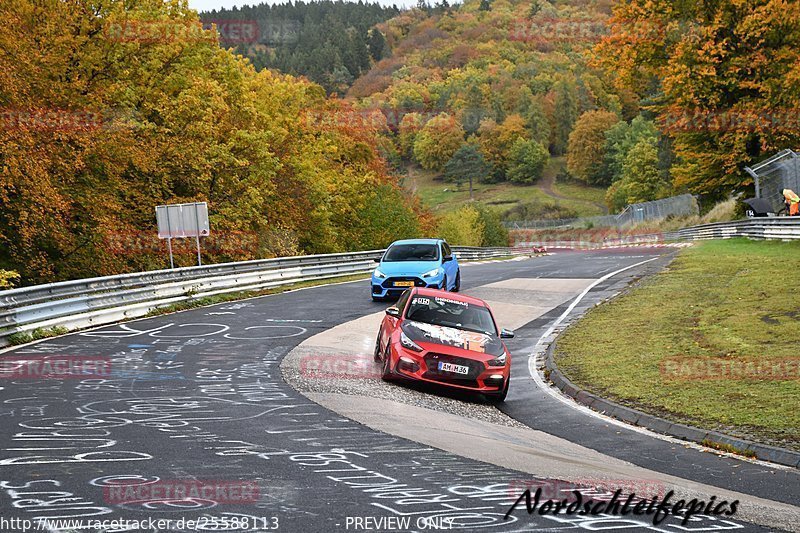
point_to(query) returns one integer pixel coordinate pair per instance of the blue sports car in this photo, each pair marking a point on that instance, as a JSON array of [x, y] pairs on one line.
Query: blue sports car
[[415, 263]]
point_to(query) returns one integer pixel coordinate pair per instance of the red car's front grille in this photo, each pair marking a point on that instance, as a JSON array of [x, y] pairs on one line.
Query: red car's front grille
[[469, 379]]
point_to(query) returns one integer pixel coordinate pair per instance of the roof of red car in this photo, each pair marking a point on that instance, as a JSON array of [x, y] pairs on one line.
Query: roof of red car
[[422, 291]]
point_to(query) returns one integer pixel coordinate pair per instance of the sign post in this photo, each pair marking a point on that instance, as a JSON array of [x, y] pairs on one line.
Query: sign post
[[179, 221]]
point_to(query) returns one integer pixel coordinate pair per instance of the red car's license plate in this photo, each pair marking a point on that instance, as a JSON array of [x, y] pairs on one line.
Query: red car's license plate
[[458, 369]]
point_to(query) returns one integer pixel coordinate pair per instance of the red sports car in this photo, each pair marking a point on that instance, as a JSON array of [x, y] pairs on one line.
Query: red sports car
[[444, 338]]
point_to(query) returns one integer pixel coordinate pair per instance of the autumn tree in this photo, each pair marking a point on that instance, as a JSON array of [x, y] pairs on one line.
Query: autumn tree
[[722, 77], [536, 6], [462, 227], [410, 126], [8, 278], [384, 217], [641, 180], [526, 161], [619, 140], [409, 96], [496, 141], [438, 140], [587, 144], [473, 225], [494, 232], [99, 126], [490, 68]]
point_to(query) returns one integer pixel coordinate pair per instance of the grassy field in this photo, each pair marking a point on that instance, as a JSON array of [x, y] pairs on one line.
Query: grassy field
[[440, 196], [578, 192], [713, 342]]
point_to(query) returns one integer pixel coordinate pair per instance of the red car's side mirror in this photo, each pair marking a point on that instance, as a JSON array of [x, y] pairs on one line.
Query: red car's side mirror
[[393, 311]]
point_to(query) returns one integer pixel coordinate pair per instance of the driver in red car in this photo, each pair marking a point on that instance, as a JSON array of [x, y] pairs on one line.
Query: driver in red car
[[444, 338]]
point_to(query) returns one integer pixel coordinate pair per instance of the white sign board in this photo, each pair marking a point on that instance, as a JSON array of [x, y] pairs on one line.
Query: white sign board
[[182, 220]]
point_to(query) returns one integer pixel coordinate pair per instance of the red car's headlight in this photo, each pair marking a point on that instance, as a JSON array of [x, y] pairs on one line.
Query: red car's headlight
[[408, 343], [498, 361]]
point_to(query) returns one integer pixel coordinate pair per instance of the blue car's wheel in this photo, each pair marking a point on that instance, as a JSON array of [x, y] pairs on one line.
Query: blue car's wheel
[[444, 284], [457, 286]]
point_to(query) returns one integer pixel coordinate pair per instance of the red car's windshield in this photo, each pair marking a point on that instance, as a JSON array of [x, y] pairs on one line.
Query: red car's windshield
[[451, 313]]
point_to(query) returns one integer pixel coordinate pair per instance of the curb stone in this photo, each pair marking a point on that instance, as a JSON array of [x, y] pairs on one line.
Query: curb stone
[[763, 452]]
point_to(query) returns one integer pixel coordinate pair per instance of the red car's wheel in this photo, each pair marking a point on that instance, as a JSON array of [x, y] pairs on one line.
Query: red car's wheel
[[386, 373], [376, 354]]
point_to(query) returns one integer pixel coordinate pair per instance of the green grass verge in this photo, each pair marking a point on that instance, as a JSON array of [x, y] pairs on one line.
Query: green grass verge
[[441, 196], [712, 342], [728, 448], [24, 337], [582, 197]]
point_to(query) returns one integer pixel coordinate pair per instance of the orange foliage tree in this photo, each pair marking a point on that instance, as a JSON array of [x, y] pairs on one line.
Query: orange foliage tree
[[722, 77], [113, 108]]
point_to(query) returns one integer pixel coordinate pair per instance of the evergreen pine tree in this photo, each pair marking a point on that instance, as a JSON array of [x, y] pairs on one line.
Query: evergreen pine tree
[[376, 44]]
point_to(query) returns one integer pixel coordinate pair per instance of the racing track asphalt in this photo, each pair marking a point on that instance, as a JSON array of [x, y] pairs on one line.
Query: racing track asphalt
[[199, 395]]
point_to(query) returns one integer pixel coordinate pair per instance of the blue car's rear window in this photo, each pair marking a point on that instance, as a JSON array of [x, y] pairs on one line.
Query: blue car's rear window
[[412, 252]]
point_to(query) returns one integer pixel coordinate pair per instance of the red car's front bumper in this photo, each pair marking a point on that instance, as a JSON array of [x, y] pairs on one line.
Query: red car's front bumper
[[423, 366]]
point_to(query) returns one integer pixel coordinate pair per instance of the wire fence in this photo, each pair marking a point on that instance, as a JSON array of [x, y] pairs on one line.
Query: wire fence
[[781, 171], [683, 205]]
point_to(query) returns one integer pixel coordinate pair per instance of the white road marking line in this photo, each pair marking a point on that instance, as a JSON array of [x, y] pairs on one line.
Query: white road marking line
[[554, 392], [289, 320], [580, 297]]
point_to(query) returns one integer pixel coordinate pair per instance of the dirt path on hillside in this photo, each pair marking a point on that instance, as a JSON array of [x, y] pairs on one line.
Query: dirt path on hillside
[[410, 181], [545, 184]]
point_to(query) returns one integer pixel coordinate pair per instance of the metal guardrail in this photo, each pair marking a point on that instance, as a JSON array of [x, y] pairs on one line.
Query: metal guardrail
[[782, 228], [779, 228], [96, 301]]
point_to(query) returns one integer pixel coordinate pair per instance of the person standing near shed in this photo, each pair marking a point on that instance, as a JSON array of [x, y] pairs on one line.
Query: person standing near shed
[[792, 202]]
